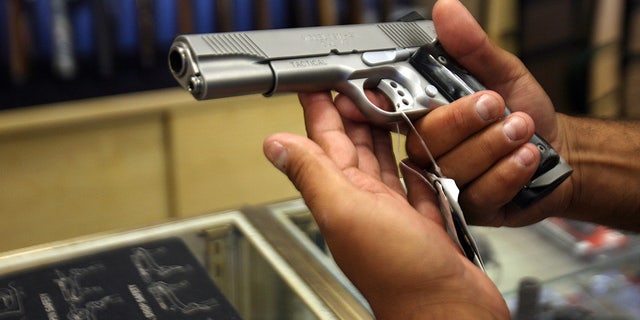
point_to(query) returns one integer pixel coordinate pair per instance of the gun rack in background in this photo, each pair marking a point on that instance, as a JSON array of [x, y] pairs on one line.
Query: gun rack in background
[[60, 50]]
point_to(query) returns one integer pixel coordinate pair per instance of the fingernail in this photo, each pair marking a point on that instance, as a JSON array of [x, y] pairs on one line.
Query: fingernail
[[277, 154], [524, 157], [515, 128], [488, 107]]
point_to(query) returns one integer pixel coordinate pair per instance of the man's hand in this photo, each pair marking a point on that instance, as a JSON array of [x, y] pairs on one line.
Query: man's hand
[[486, 154], [392, 246]]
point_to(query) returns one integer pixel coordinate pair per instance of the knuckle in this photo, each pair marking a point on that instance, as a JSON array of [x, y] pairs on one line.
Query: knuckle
[[472, 198], [414, 149], [489, 149], [456, 118], [479, 209]]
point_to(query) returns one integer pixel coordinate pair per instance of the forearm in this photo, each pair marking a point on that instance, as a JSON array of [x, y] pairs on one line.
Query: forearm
[[605, 156]]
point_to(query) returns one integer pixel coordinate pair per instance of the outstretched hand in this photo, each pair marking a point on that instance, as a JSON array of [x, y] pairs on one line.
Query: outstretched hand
[[391, 244]]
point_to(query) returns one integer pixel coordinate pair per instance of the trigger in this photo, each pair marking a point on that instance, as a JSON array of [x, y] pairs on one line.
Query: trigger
[[398, 94]]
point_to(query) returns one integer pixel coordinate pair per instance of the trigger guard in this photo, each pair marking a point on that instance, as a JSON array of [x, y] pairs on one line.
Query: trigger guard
[[354, 89], [407, 101], [399, 95]]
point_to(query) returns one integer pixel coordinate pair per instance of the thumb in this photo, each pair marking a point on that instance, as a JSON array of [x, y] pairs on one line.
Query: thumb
[[463, 38], [319, 180], [457, 29]]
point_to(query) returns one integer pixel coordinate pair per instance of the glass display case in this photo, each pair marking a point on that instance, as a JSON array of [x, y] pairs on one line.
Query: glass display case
[[254, 263], [270, 262]]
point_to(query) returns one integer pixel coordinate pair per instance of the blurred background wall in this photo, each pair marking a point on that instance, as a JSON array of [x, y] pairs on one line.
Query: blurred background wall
[[95, 136]]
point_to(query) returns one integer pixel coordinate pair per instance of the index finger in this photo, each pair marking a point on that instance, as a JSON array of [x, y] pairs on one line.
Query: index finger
[[324, 126], [446, 127]]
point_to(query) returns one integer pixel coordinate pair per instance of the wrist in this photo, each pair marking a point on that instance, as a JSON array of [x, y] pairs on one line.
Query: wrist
[[565, 145], [606, 177]]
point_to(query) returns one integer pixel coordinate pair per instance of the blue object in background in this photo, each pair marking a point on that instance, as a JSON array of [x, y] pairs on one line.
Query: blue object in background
[[280, 14], [204, 13], [82, 25], [126, 26], [4, 35], [243, 14], [42, 29], [165, 21]]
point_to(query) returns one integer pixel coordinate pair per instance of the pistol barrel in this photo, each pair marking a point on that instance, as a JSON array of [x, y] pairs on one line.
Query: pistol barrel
[[238, 63], [209, 77]]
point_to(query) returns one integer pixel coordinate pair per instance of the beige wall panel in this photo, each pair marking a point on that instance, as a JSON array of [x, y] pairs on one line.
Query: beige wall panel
[[631, 92], [605, 86], [217, 152], [61, 182], [605, 69], [502, 23]]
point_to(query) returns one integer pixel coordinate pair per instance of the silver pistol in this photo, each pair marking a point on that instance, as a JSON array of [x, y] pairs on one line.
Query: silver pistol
[[348, 59], [404, 60]]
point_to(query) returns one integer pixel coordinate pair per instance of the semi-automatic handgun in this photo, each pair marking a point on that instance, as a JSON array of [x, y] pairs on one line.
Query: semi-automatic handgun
[[402, 59]]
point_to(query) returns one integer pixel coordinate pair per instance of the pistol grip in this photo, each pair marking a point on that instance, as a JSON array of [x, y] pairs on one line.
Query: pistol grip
[[454, 82], [542, 185], [552, 170]]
